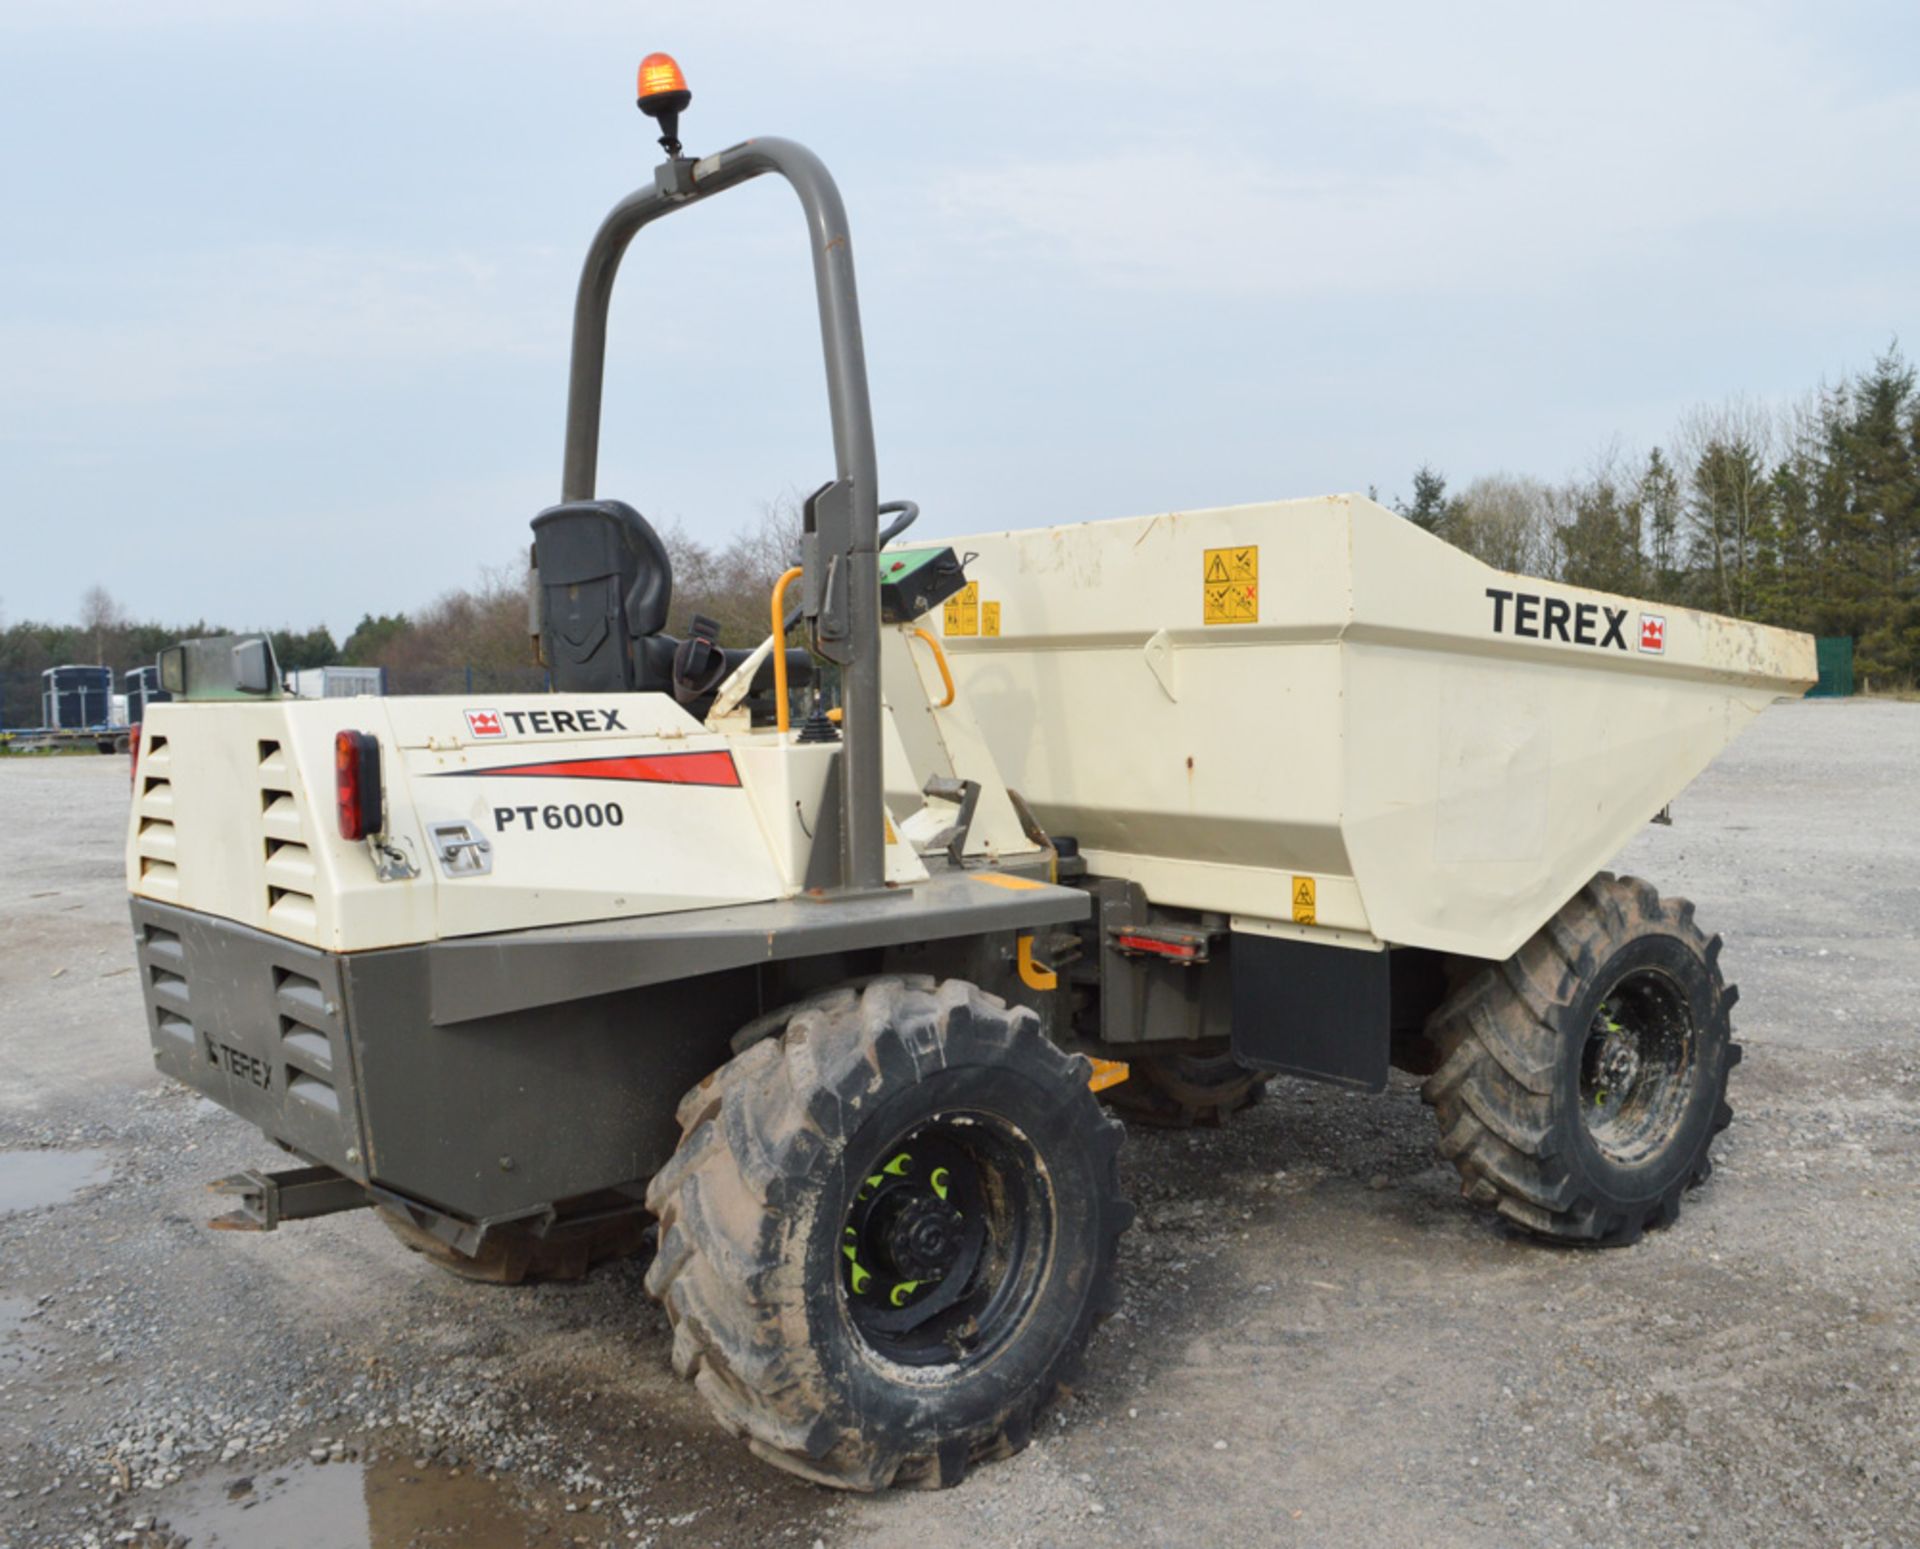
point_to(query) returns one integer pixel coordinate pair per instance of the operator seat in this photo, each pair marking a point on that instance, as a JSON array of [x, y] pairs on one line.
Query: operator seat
[[602, 585]]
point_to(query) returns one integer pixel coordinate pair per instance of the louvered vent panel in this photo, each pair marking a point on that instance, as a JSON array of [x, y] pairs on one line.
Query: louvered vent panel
[[280, 816], [290, 866], [292, 911], [166, 962], [177, 1029], [156, 843], [308, 1026], [288, 872]]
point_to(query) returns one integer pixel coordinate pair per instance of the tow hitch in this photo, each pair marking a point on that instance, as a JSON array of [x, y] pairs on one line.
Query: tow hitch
[[295, 1194]]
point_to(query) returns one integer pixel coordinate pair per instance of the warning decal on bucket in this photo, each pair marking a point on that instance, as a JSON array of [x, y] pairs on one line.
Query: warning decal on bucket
[[963, 611], [1230, 593], [1304, 910]]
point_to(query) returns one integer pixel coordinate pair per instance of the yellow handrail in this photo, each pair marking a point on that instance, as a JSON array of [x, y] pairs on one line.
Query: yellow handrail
[[781, 716], [940, 660]]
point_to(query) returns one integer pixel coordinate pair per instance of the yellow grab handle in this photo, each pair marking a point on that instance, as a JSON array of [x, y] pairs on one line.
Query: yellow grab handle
[[1033, 975], [781, 716], [940, 660]]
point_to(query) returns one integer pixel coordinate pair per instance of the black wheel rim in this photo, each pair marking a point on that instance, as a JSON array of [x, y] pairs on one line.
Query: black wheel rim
[[1638, 1066], [943, 1242]]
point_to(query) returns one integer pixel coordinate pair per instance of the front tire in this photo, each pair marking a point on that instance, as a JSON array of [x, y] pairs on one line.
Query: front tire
[[1583, 1080], [887, 1233]]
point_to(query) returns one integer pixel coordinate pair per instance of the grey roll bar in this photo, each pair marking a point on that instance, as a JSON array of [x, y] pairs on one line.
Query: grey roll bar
[[842, 583]]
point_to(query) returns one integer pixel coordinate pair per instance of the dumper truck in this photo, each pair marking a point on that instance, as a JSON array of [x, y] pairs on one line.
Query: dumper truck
[[826, 967]]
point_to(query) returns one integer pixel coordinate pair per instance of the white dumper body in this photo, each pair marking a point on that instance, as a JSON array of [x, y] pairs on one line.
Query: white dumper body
[[1319, 719]]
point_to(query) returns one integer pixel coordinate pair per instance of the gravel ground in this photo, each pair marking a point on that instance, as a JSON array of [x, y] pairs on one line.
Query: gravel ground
[[1320, 1343]]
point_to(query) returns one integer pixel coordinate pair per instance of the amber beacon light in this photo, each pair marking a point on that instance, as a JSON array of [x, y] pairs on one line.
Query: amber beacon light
[[664, 96]]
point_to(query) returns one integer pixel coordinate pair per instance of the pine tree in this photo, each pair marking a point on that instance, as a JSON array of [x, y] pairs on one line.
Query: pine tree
[[1429, 507], [1876, 453], [1659, 500], [1600, 542]]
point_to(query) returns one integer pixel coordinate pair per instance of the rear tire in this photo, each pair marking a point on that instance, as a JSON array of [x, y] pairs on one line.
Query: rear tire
[[1583, 1080], [517, 1255], [888, 1232], [1178, 1091]]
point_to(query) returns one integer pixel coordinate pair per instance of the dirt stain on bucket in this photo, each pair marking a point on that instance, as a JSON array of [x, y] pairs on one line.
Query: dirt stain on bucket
[[31, 1180], [384, 1503]]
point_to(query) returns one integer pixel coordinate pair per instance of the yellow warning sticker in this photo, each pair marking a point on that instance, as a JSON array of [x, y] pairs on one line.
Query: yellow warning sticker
[[1230, 592], [963, 611], [989, 618], [1001, 879], [1305, 909]]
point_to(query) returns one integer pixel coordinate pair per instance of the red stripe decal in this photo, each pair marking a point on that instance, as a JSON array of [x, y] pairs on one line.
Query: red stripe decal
[[711, 768]]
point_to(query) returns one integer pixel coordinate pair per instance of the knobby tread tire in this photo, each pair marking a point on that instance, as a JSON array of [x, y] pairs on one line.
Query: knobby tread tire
[[1508, 1038], [1179, 1091], [519, 1256], [738, 1201]]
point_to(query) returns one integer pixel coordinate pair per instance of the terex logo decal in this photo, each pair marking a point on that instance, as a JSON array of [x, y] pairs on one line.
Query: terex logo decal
[[1653, 633], [545, 723], [240, 1064], [1554, 618]]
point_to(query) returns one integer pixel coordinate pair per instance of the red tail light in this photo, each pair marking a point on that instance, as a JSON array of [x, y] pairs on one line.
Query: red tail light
[[356, 783]]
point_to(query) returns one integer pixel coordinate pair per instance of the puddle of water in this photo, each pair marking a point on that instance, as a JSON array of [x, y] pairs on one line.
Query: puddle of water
[[382, 1504], [30, 1180]]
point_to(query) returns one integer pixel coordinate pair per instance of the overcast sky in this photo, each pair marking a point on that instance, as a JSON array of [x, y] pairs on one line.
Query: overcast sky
[[285, 288]]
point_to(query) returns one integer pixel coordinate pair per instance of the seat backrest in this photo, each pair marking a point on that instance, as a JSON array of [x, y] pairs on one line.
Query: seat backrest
[[602, 580]]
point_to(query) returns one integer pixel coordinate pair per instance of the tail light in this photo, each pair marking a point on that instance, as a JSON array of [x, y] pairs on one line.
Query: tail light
[[356, 783]]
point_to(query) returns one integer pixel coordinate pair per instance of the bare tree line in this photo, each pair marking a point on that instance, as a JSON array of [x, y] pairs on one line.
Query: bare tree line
[[1806, 516], [485, 626]]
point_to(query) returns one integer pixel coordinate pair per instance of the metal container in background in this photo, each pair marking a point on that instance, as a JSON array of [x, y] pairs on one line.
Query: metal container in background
[[1835, 655], [336, 682], [75, 697], [143, 689]]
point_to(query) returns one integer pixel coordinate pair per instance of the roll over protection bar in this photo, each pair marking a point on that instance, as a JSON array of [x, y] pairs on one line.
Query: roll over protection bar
[[842, 581]]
